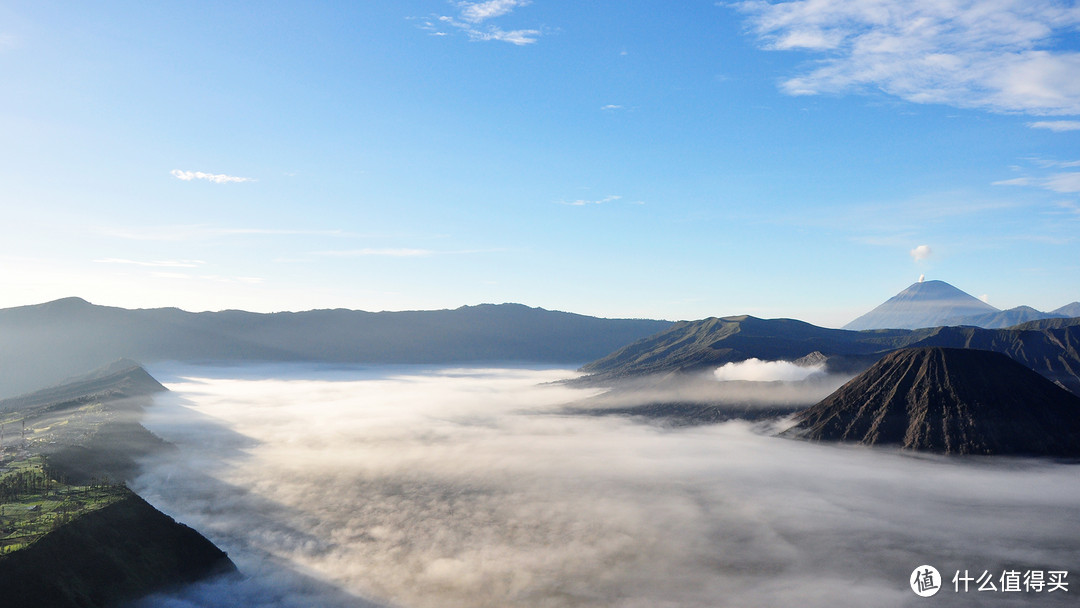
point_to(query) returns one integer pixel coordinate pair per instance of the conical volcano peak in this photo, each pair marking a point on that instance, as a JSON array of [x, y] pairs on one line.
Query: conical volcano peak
[[922, 304]]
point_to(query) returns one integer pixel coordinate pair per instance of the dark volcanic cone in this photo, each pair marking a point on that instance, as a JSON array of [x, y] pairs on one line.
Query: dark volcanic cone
[[951, 401]]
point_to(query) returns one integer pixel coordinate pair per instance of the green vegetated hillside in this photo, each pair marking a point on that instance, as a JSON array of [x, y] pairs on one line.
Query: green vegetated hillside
[[1050, 347], [43, 344], [71, 533], [121, 551]]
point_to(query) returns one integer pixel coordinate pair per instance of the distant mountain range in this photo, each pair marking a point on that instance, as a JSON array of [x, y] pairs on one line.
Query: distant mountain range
[[937, 303], [1051, 347], [950, 401], [44, 344]]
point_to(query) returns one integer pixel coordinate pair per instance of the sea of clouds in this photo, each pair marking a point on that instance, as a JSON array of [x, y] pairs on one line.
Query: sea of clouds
[[471, 487]]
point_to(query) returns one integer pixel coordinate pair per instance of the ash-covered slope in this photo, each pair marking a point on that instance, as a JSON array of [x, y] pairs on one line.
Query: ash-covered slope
[[923, 304], [950, 401]]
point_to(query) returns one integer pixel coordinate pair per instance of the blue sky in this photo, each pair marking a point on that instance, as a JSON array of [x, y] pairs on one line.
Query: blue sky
[[803, 159]]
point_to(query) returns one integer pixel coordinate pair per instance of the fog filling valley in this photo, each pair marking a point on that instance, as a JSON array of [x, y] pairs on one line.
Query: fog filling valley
[[468, 487]]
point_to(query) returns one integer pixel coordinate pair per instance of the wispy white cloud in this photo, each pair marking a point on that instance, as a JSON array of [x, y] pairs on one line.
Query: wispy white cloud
[[1000, 55], [476, 12], [1056, 125], [211, 278], [582, 202], [155, 263], [389, 252], [197, 232], [1065, 182], [1016, 181], [611, 106], [217, 178], [472, 17], [1053, 164], [920, 253], [402, 252]]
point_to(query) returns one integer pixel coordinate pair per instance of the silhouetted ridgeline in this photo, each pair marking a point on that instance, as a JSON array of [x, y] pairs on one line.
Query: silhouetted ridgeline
[[950, 401], [43, 344]]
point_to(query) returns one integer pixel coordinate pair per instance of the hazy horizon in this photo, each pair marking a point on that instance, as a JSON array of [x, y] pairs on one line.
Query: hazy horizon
[[801, 159], [424, 486]]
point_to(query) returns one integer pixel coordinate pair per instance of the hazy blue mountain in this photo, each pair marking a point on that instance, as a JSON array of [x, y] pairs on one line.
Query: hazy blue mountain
[[1050, 347], [44, 344], [1069, 310], [923, 304], [951, 401], [1005, 318]]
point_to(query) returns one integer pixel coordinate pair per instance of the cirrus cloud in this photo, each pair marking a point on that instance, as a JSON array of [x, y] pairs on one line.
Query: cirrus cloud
[[999, 56]]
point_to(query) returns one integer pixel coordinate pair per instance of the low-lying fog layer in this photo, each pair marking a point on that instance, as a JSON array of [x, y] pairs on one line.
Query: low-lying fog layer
[[420, 487]]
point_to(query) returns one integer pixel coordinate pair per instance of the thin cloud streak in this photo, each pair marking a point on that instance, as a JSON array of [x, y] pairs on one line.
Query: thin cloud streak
[[401, 252], [582, 202], [217, 178], [964, 53], [154, 264], [196, 232], [1059, 126]]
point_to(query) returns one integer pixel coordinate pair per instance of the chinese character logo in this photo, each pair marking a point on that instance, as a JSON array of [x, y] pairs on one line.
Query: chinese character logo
[[925, 581]]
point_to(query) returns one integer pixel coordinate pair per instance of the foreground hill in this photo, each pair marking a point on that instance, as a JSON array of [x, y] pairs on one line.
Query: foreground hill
[[118, 553], [951, 401], [43, 344], [1050, 347], [70, 533]]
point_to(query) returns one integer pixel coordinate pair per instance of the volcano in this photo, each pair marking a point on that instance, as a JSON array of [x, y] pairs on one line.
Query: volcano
[[923, 304], [950, 401]]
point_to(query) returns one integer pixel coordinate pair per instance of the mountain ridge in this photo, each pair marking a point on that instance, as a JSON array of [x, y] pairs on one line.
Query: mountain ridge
[[1050, 347], [937, 303], [43, 344]]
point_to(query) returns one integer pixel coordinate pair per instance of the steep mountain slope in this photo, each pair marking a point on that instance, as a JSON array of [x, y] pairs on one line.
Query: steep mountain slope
[[922, 304], [121, 552], [103, 544], [952, 401], [1069, 310], [1050, 347], [689, 345], [43, 344]]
